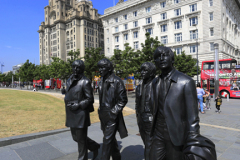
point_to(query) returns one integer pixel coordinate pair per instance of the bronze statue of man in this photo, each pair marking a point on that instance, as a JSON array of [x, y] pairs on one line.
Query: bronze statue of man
[[144, 106], [112, 97], [78, 103], [175, 129]]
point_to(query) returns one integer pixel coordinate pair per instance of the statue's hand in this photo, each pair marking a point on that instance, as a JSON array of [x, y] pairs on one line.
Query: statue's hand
[[74, 107]]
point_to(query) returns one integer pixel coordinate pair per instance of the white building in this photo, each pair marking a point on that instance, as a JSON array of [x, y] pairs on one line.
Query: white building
[[16, 68], [69, 25], [184, 25]]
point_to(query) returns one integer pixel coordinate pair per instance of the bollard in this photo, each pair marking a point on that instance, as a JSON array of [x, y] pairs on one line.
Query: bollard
[[227, 97]]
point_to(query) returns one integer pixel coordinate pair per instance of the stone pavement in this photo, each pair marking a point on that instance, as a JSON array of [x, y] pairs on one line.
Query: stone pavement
[[223, 129]]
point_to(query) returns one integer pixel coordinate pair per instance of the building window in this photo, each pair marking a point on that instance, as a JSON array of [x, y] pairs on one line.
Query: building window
[[125, 37], [178, 24], [74, 28], [210, 2], [108, 50], [125, 16], [178, 37], [148, 9], [107, 30], [178, 50], [177, 12], [211, 31], [163, 4], [193, 49], [135, 24], [117, 47], [164, 28], [176, 1], [116, 19], [193, 21], [148, 20], [116, 29], [149, 30], [164, 39], [194, 34], [135, 14], [136, 45], [117, 39], [211, 46], [125, 26], [193, 7], [211, 16], [135, 34], [163, 16]]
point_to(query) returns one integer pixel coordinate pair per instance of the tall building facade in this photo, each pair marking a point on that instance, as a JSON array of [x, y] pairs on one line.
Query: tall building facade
[[69, 25], [184, 25]]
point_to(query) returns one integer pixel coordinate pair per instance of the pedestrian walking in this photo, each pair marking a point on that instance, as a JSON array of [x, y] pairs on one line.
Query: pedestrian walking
[[200, 93], [218, 101], [207, 100]]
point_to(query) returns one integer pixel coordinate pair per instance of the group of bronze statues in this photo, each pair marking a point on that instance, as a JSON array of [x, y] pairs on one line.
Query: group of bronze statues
[[166, 110]]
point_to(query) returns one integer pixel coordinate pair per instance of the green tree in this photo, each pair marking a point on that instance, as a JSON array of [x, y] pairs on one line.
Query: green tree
[[41, 72], [68, 65], [8, 77], [92, 56], [2, 77], [186, 64], [125, 62], [148, 48], [117, 60], [57, 68], [26, 72]]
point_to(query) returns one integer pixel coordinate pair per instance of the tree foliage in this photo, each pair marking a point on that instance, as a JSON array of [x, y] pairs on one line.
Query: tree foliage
[[148, 48], [91, 58], [186, 64], [125, 62], [26, 72]]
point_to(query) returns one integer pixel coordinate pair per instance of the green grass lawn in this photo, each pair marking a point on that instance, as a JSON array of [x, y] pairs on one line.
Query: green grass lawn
[[24, 112]]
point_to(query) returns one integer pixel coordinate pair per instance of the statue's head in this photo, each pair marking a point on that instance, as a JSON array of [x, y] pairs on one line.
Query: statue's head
[[148, 70], [163, 57], [105, 67], [78, 67]]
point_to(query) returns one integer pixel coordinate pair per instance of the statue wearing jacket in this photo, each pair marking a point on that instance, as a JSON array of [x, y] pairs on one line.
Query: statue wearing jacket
[[113, 98], [79, 103], [175, 130], [144, 106]]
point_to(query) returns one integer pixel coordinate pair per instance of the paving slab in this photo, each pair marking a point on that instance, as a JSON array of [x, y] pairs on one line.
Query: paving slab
[[43, 151]]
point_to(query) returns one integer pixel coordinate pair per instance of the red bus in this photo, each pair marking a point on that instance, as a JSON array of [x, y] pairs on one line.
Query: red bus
[[229, 77], [53, 83]]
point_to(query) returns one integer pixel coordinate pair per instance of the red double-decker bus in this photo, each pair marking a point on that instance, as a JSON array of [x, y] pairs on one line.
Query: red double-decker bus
[[229, 77]]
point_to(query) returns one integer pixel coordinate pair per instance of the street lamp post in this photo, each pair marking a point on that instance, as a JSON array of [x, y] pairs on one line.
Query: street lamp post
[[216, 70], [197, 49]]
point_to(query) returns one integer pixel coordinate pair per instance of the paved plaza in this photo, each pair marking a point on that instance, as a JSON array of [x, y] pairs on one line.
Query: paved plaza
[[223, 129]]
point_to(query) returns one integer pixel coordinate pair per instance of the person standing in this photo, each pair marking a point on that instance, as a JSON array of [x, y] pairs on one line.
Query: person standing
[[144, 107], [200, 93], [113, 98], [78, 103], [175, 128], [218, 101]]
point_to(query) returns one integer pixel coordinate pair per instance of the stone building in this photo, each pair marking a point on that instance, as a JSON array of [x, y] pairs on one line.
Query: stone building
[[185, 25], [69, 25]]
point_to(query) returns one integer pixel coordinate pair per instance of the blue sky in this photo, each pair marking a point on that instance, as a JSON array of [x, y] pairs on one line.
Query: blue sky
[[20, 20]]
